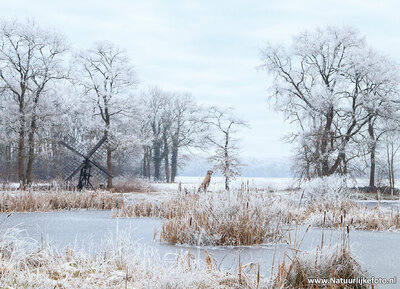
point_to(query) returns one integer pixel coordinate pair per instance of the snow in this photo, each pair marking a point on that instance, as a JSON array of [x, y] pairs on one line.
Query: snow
[[217, 183]]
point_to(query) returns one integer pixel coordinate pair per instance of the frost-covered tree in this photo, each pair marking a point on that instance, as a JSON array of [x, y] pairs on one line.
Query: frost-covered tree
[[31, 61], [377, 80], [169, 123], [332, 85], [185, 127], [392, 146], [144, 138], [154, 111], [387, 148], [107, 78], [222, 127]]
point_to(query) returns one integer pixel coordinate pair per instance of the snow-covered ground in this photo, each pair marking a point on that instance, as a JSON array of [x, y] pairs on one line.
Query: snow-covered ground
[[259, 183], [217, 183], [190, 183]]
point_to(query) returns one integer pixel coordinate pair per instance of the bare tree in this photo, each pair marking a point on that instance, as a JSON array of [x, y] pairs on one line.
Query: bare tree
[[144, 137], [221, 135], [30, 59], [169, 123], [391, 147], [330, 84], [376, 78], [186, 126], [108, 79], [155, 103]]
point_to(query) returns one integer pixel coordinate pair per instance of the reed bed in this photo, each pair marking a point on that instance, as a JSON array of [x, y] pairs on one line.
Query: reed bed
[[348, 213], [30, 201], [118, 264], [179, 205], [222, 218], [132, 185], [246, 217], [169, 208], [326, 262]]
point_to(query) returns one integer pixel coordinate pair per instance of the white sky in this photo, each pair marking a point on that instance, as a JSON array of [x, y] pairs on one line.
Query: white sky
[[211, 48]]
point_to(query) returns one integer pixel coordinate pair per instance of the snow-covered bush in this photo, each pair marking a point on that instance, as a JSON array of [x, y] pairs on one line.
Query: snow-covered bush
[[326, 188]]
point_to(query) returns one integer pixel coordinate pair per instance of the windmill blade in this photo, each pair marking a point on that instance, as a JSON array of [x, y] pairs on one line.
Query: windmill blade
[[74, 172], [71, 148], [100, 167], [96, 147], [98, 175], [74, 166]]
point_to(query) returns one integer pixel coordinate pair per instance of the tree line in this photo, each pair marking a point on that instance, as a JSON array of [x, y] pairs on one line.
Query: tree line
[[50, 91]]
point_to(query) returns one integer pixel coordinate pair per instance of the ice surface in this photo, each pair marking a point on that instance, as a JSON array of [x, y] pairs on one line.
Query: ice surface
[[376, 251]]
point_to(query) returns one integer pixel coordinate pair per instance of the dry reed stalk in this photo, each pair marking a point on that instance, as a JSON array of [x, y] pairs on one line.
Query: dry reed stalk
[[132, 185], [211, 219], [324, 262], [49, 201], [120, 264]]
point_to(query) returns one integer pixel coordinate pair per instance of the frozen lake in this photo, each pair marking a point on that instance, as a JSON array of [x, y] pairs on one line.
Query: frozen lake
[[376, 251], [389, 204]]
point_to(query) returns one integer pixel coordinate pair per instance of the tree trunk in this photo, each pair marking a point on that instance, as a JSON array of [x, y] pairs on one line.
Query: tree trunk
[[157, 160], [144, 164], [392, 171], [148, 162], [31, 157], [8, 163], [167, 169], [31, 146], [345, 167], [109, 150], [227, 167], [391, 178], [174, 160], [166, 156], [372, 167], [21, 148], [390, 161], [324, 143], [109, 168], [372, 155]]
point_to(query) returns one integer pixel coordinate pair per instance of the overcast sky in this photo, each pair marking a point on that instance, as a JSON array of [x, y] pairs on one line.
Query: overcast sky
[[211, 48]]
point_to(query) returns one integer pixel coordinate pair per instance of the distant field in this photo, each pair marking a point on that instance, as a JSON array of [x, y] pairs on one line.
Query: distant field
[[260, 183], [217, 183]]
